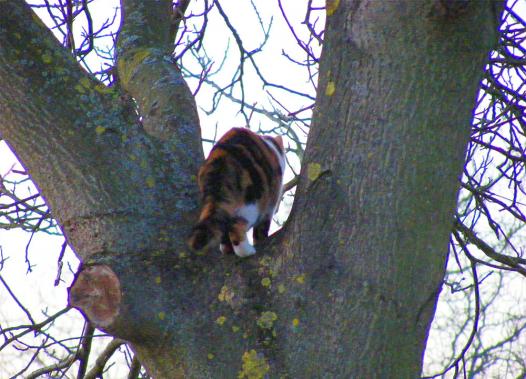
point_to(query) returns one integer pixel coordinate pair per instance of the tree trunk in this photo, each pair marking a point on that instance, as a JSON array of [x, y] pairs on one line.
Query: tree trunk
[[348, 287]]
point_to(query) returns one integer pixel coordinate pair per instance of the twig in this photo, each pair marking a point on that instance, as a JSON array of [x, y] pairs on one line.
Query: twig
[[514, 262], [460, 357], [60, 263], [13, 296], [103, 358], [85, 349]]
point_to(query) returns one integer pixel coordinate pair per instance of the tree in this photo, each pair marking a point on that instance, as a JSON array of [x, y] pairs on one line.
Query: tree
[[486, 266], [349, 285]]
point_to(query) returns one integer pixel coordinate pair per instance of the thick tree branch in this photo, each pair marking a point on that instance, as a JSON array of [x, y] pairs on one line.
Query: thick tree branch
[[392, 136], [148, 74], [83, 144], [74, 135]]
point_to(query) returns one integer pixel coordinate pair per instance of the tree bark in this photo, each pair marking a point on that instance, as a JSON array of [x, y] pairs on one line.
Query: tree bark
[[348, 287], [397, 86]]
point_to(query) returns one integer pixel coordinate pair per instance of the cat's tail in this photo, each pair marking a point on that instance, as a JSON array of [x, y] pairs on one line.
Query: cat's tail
[[207, 233]]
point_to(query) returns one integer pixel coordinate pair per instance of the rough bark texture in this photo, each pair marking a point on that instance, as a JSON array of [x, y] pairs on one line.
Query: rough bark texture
[[348, 287], [397, 86]]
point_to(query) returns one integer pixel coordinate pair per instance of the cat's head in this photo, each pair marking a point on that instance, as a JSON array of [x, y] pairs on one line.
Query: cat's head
[[277, 142]]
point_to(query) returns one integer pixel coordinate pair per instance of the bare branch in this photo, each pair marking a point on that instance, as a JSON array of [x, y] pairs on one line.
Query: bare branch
[[103, 359]]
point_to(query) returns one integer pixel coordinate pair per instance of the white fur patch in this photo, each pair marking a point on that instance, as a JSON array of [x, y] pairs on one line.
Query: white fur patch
[[244, 249]]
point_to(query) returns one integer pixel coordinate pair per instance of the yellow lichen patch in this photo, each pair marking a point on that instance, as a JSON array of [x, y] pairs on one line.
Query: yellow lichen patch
[[225, 294], [266, 320], [133, 157], [331, 6], [157, 280], [182, 255], [101, 88], [254, 366], [265, 261], [46, 58], [264, 267], [210, 356], [150, 182], [128, 65], [80, 89], [220, 320], [313, 171], [281, 288], [331, 88], [157, 253], [100, 129], [300, 278], [85, 82], [295, 322], [161, 315], [266, 282], [235, 328]]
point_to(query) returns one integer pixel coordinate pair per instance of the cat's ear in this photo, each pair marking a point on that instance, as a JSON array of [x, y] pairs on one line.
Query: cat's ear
[[279, 141]]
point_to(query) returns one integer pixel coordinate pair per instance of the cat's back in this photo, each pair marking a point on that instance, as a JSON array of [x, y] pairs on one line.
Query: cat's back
[[243, 167]]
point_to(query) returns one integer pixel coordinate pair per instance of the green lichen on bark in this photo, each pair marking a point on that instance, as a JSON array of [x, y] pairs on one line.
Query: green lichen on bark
[[254, 366], [266, 320]]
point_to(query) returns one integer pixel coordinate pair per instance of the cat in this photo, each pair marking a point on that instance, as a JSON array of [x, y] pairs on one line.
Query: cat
[[241, 186]]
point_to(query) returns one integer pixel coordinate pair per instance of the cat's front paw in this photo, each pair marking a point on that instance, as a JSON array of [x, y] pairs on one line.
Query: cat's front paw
[[244, 249]]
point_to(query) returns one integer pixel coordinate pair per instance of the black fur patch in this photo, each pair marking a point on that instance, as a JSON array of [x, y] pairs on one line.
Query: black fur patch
[[200, 237], [248, 164]]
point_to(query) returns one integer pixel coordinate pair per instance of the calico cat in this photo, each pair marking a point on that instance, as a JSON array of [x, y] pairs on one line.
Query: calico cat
[[240, 184]]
